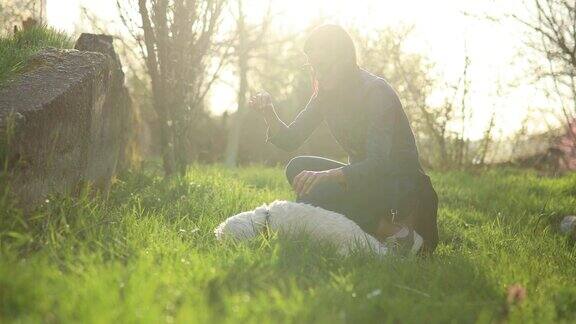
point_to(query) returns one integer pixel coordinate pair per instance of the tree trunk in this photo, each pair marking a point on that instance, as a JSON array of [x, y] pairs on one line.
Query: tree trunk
[[233, 142]]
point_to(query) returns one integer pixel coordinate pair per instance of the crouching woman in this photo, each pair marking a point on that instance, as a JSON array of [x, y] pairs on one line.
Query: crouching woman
[[382, 187]]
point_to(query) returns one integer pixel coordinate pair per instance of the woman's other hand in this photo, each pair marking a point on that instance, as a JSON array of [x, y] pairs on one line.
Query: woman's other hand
[[306, 180]]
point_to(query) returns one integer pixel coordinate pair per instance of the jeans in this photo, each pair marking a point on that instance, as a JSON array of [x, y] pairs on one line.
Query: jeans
[[365, 205]]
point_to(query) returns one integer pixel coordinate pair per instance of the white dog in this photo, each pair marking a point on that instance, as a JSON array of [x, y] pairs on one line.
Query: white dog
[[290, 217]]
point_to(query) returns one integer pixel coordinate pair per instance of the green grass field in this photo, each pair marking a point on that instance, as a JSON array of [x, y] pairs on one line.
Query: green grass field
[[148, 254]]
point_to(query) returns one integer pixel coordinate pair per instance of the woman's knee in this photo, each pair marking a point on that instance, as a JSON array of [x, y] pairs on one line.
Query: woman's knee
[[294, 166]]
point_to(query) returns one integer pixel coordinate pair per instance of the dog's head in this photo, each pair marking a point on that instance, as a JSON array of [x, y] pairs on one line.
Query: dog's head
[[244, 225]]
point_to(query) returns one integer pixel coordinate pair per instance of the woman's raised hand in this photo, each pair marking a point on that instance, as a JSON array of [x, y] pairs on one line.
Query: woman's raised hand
[[262, 103]]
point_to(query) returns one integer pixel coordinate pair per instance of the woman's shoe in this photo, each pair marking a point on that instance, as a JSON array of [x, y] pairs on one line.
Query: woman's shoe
[[405, 242]]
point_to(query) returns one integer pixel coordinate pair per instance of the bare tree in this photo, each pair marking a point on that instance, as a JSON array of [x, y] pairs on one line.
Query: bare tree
[[248, 40], [176, 40], [553, 25], [461, 140], [486, 141]]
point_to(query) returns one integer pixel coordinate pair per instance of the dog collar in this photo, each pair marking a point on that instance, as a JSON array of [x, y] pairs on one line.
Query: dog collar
[[266, 227]]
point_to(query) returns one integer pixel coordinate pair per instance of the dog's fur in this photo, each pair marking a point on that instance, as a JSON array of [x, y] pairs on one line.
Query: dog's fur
[[291, 217]]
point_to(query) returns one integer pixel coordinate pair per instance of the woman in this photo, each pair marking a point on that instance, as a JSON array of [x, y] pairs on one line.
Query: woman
[[382, 188]]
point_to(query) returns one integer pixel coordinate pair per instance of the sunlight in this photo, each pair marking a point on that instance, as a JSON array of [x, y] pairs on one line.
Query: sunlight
[[444, 31], [270, 161]]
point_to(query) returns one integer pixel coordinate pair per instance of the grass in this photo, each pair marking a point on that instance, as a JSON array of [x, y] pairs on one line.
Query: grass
[[15, 50], [148, 254]]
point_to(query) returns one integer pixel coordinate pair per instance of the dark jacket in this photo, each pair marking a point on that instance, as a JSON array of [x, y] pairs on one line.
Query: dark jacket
[[367, 119]]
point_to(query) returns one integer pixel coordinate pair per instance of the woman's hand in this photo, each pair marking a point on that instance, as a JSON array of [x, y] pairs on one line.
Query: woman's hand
[[306, 180], [262, 103]]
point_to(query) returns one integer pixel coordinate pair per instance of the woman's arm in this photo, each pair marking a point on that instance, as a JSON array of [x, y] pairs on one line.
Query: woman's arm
[[291, 137], [274, 123]]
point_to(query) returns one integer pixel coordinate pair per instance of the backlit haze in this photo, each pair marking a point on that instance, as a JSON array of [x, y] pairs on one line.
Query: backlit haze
[[443, 31]]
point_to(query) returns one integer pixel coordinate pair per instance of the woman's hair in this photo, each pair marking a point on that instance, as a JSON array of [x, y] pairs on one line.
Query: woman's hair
[[332, 39], [335, 40]]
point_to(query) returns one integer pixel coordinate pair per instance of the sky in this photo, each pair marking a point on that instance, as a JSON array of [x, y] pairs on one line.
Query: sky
[[445, 31]]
